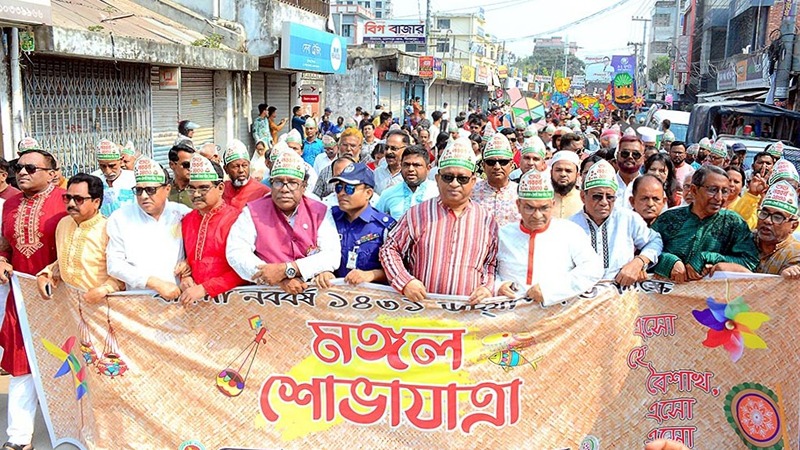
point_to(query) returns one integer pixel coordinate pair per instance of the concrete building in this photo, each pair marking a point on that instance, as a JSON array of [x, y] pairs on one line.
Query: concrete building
[[349, 20], [380, 9], [556, 42]]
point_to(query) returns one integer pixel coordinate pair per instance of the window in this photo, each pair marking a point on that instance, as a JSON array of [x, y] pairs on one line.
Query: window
[[379, 5], [443, 46], [378, 14], [443, 24], [414, 48], [347, 30], [661, 20]]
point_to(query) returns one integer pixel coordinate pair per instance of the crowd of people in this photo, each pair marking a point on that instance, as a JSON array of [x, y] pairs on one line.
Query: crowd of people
[[465, 206]]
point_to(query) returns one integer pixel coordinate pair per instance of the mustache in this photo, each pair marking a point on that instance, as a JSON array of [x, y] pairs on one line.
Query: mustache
[[72, 208]]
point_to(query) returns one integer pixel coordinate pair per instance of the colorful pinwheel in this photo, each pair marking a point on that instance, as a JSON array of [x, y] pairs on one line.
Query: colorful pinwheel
[[731, 325]]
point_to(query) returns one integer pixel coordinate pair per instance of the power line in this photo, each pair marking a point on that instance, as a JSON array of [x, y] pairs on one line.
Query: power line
[[486, 7]]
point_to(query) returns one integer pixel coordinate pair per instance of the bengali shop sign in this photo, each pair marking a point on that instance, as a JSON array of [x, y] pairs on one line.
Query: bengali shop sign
[[394, 32], [256, 368]]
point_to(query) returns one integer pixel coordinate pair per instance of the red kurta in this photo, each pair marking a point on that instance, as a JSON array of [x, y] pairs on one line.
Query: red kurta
[[239, 197], [29, 226], [204, 239]]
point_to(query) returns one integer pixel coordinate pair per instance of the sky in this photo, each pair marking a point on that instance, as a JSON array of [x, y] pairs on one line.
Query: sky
[[511, 20]]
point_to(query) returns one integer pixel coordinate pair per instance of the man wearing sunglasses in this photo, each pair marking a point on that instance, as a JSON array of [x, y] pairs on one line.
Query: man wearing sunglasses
[[205, 233], [497, 194], [701, 235], [240, 189], [118, 182], [630, 159], [145, 247], [285, 238], [179, 157], [450, 243], [362, 228], [748, 204], [29, 226], [618, 235]]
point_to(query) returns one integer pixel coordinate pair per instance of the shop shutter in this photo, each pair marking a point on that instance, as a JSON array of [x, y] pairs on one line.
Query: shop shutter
[[165, 118], [197, 103], [278, 94]]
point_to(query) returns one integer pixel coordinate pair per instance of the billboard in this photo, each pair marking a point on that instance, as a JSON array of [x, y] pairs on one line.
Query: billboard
[[599, 69], [394, 32]]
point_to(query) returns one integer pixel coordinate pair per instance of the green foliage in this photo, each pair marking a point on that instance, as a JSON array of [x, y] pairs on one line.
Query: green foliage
[[547, 60], [212, 41], [95, 28], [659, 69]]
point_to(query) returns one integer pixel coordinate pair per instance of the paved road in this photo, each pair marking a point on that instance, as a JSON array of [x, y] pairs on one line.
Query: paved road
[[41, 441]]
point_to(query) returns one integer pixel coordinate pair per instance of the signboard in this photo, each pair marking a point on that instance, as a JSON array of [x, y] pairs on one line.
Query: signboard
[[438, 68], [624, 63], [752, 72], [468, 74], [481, 74], [306, 48], [453, 71], [578, 81], [426, 66], [599, 70], [682, 62], [726, 79], [394, 32], [33, 12], [502, 72], [543, 79], [707, 363], [309, 98], [169, 78]]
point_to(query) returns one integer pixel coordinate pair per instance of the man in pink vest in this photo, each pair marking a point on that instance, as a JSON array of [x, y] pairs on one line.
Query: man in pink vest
[[285, 238]]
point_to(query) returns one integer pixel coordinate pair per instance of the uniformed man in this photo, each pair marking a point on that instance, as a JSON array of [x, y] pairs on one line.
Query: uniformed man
[[361, 227]]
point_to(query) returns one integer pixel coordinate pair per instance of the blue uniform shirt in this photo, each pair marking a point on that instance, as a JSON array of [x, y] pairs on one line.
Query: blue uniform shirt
[[311, 150], [364, 236]]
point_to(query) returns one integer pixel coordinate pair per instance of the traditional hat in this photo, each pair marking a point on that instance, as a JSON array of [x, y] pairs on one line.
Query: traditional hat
[[499, 147], [488, 130], [575, 124], [147, 170], [458, 154], [560, 131], [705, 143], [601, 174], [609, 132], [535, 185], [328, 141], [783, 169], [294, 136], [692, 149], [129, 149], [565, 155], [719, 149], [281, 146], [350, 123], [201, 169], [775, 149], [535, 145], [782, 196], [28, 143], [530, 131], [310, 123], [394, 126], [288, 164], [107, 151], [236, 150], [647, 135], [668, 136], [452, 127], [550, 128], [519, 123]]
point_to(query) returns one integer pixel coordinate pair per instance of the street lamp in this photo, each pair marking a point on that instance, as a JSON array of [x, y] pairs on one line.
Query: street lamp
[[449, 32]]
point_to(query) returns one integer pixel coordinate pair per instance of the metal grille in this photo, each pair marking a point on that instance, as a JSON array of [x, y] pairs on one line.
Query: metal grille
[[71, 104]]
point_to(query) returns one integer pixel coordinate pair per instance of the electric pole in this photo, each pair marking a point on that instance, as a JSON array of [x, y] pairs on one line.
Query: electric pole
[[785, 65], [674, 63], [426, 102], [641, 62]]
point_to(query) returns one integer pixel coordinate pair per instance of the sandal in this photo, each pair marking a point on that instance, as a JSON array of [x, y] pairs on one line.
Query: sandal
[[9, 445]]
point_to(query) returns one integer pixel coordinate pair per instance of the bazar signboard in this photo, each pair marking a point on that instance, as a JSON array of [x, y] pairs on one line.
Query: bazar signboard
[[394, 32], [28, 12]]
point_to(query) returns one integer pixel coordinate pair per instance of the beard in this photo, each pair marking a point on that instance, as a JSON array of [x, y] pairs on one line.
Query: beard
[[564, 189], [238, 183]]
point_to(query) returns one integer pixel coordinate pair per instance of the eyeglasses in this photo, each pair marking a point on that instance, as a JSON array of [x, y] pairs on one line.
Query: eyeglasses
[[291, 185], [462, 180], [29, 168], [626, 154], [599, 197], [348, 189], [394, 149], [494, 162], [202, 190], [714, 190], [78, 199], [151, 190], [776, 218], [186, 164]]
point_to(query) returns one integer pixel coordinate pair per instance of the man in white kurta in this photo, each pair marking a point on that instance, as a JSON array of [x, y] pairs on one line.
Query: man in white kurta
[[145, 244], [540, 257], [117, 182], [616, 234]]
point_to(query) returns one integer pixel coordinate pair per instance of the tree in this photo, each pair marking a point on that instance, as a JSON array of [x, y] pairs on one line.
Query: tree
[[548, 60], [659, 69]]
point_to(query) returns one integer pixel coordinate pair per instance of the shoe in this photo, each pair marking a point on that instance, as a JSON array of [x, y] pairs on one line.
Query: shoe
[[9, 445]]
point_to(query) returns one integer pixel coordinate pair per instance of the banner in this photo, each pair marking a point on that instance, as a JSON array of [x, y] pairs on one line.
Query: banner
[[426, 66], [394, 32], [599, 70], [256, 368]]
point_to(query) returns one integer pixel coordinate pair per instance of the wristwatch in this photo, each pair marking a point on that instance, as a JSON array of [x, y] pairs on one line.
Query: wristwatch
[[290, 271]]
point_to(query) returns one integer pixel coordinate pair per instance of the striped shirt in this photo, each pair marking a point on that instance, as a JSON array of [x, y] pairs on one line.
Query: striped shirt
[[450, 255]]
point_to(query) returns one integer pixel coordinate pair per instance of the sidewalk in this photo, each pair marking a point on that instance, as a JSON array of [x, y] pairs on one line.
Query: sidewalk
[[41, 441]]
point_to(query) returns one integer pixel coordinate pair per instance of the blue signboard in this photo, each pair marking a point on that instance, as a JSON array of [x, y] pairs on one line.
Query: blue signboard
[[305, 48]]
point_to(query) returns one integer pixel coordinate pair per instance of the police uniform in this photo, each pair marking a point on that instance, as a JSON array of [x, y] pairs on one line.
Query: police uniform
[[361, 239]]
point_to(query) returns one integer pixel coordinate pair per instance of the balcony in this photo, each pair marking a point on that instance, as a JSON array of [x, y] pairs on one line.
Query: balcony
[[319, 7]]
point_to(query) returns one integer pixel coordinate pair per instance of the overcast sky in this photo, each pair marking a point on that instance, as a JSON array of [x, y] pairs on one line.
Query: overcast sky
[[606, 34]]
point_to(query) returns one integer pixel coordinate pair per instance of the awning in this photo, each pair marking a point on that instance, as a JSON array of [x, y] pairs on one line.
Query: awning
[[735, 94]]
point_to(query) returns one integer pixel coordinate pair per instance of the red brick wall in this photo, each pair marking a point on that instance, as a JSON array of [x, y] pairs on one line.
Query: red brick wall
[[775, 17]]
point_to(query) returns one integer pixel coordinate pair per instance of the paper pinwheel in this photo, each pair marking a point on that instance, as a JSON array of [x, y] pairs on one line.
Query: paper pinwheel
[[731, 325]]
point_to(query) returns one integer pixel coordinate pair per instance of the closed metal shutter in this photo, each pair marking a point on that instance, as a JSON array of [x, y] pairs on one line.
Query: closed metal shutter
[[279, 95], [436, 93], [71, 104], [390, 94], [165, 118], [197, 103], [258, 91]]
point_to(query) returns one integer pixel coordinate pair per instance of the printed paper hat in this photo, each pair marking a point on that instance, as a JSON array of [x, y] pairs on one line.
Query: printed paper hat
[[550, 128], [328, 141], [705, 144], [458, 154], [560, 131], [281, 146], [719, 149], [147, 170], [236, 150], [350, 123], [775, 149], [201, 169], [498, 147], [394, 126], [129, 149], [310, 123], [488, 130], [535, 185], [575, 125], [107, 151], [783, 169], [629, 132], [288, 164], [28, 143], [294, 136], [668, 136], [519, 123], [781, 196], [530, 131], [692, 149], [452, 127], [601, 174], [535, 145]]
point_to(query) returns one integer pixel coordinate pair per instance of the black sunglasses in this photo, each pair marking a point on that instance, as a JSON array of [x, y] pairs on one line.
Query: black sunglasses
[[186, 164], [29, 168], [462, 180], [626, 154], [151, 190], [494, 162], [78, 199]]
